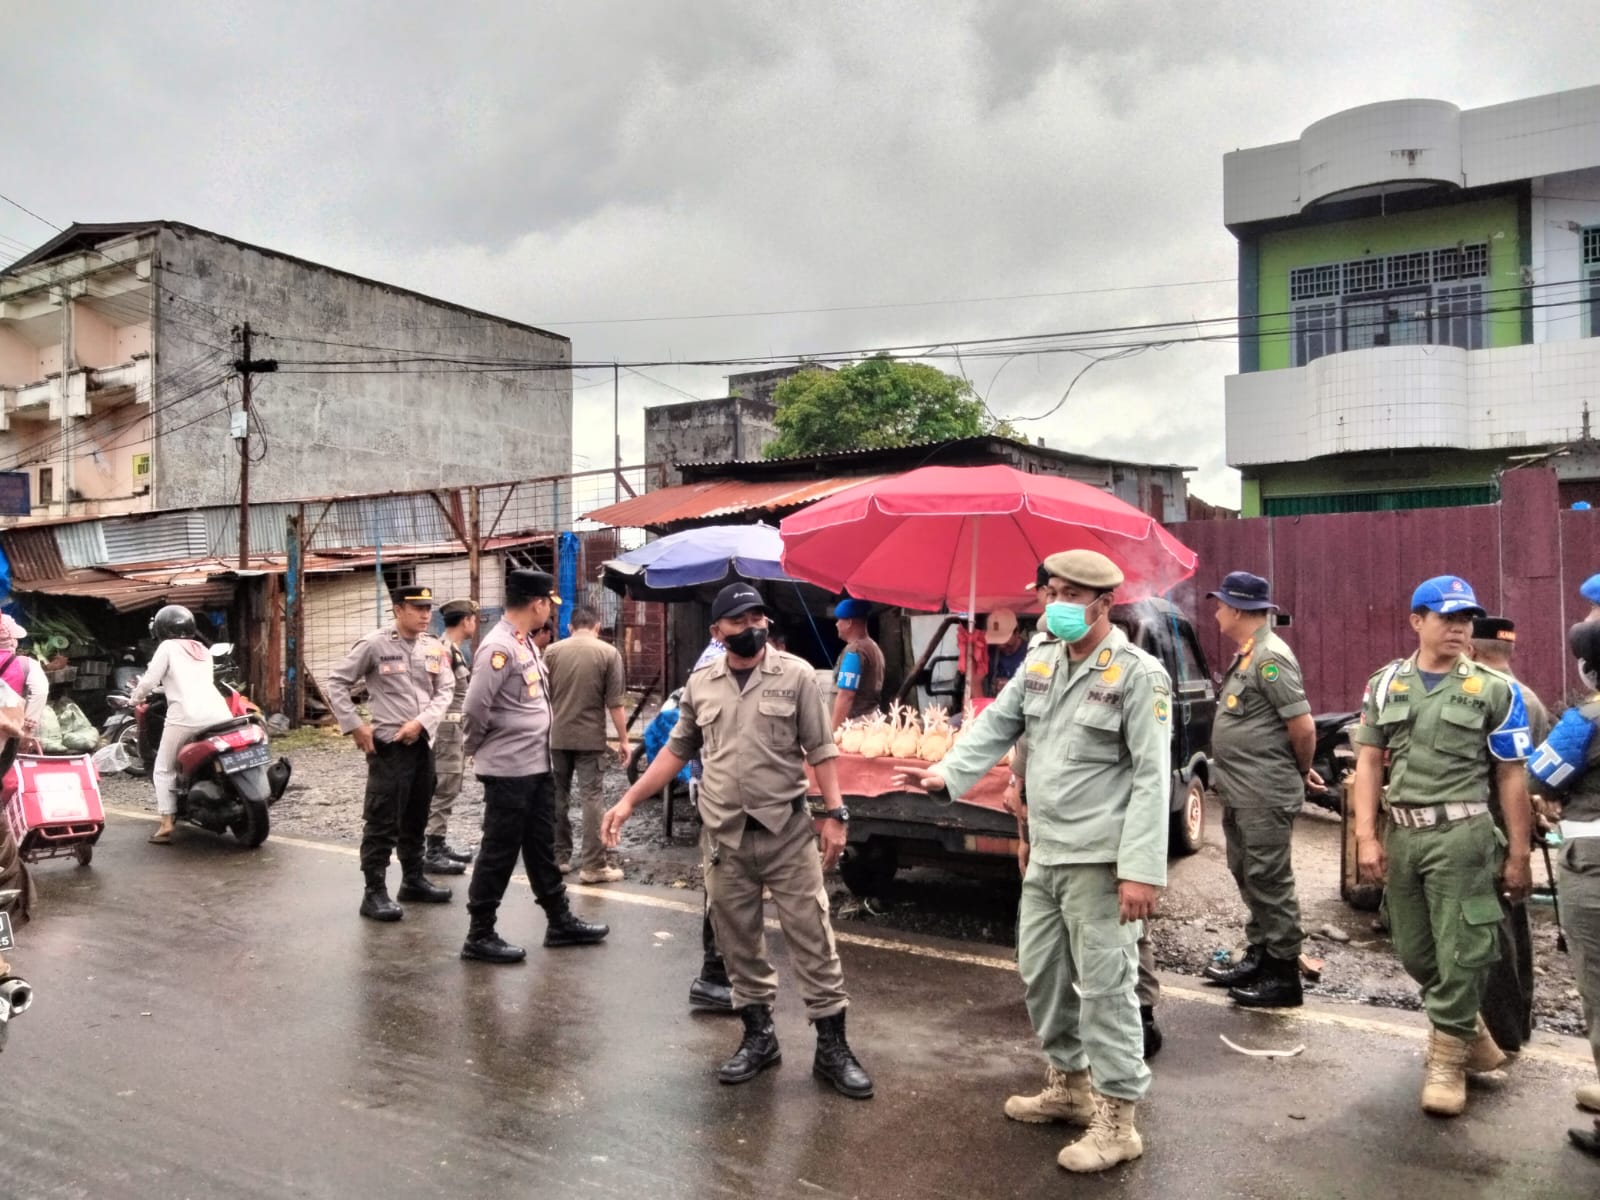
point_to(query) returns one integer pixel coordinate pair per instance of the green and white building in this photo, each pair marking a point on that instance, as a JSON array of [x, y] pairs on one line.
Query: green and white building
[[1419, 302]]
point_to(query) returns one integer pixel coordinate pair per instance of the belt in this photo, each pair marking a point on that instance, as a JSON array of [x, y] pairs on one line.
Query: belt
[[452, 716], [1579, 829], [1426, 816]]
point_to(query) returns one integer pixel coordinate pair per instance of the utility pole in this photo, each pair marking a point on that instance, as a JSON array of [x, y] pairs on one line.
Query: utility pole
[[246, 367], [616, 423]]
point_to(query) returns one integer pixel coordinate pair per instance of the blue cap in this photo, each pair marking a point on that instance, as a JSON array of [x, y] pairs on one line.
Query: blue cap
[[1590, 590], [1246, 592], [850, 609], [1446, 594]]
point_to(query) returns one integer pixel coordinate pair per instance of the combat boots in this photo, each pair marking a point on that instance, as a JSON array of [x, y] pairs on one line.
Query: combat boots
[[835, 1061], [483, 944], [1588, 1096], [1068, 1096], [437, 859], [1444, 1086], [375, 902], [757, 1051], [1111, 1138], [1246, 970], [418, 888], [710, 996], [1277, 986], [567, 929], [1483, 1053]]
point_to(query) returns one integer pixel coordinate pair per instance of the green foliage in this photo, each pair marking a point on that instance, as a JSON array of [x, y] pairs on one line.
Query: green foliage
[[872, 405]]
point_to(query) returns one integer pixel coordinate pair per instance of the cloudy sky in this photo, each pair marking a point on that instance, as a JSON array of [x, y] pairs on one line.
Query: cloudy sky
[[834, 176]]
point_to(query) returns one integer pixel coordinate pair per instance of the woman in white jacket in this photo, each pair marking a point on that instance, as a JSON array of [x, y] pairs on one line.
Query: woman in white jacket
[[181, 667]]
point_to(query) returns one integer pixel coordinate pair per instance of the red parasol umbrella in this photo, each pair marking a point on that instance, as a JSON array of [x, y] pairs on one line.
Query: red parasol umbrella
[[967, 539]]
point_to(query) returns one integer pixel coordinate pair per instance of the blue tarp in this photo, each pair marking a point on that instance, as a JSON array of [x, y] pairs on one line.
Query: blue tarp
[[567, 581]]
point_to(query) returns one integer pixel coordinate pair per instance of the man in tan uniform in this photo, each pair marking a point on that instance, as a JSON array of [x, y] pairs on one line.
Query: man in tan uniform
[[409, 687], [586, 683], [450, 760], [755, 716]]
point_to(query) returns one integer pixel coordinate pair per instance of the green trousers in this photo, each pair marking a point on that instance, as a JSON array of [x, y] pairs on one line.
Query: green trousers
[[1443, 906], [1080, 968], [1580, 917], [1258, 841]]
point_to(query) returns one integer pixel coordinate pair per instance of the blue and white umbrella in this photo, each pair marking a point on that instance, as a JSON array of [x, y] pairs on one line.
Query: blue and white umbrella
[[678, 566]]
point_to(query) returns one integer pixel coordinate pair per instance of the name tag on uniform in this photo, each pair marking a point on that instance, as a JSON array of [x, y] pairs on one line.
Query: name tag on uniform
[[1106, 696], [391, 666]]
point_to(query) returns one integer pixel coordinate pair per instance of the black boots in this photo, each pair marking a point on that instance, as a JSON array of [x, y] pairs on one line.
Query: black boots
[[566, 929], [759, 1048], [483, 944], [1233, 974], [1277, 986], [1152, 1032], [710, 995], [416, 887], [836, 1063], [437, 858], [376, 905]]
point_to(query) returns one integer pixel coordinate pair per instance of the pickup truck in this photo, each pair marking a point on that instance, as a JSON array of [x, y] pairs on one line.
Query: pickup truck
[[904, 829]]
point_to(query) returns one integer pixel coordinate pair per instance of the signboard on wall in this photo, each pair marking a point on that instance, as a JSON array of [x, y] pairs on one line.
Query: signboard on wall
[[16, 494]]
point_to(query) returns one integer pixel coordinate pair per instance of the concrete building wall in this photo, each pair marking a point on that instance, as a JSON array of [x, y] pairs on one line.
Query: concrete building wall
[[728, 430], [760, 385], [378, 430]]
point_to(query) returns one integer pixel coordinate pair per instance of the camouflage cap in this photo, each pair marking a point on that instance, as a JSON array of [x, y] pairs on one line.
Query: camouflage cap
[[458, 608], [1086, 568]]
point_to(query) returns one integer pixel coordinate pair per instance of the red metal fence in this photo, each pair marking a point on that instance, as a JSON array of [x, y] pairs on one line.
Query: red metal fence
[[1346, 580]]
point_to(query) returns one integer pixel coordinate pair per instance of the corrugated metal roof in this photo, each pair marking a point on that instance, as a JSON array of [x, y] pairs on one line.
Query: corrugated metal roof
[[130, 595], [82, 544], [33, 554], [954, 446], [171, 536], [718, 498], [385, 520]]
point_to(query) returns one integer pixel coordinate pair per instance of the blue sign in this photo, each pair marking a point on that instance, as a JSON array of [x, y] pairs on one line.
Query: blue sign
[[16, 494]]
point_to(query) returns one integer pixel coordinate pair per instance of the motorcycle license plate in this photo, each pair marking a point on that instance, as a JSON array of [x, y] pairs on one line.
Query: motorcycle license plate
[[7, 942], [242, 760]]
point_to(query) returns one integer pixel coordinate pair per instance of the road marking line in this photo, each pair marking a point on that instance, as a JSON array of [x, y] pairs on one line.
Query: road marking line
[[1545, 1049]]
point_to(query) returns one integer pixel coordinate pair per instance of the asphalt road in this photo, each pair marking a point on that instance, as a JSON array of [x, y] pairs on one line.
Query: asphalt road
[[219, 1023]]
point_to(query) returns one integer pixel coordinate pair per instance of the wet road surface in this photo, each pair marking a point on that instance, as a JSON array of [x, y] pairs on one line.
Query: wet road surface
[[213, 1022]]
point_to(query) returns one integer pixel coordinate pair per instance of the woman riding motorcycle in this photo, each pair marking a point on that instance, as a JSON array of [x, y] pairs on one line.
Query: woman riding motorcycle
[[181, 666]]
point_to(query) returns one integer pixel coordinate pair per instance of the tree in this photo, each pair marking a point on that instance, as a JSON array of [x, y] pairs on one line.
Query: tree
[[871, 405]]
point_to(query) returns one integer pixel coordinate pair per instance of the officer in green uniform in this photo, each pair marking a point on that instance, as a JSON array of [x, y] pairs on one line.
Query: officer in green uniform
[[1261, 747], [450, 760], [1097, 712], [1449, 725]]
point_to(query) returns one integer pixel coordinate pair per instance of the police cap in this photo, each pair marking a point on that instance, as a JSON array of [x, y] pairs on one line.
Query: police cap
[[412, 594], [1494, 629], [525, 584], [1086, 568]]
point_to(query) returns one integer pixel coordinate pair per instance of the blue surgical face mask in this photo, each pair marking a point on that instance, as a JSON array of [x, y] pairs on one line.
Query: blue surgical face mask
[[1069, 622]]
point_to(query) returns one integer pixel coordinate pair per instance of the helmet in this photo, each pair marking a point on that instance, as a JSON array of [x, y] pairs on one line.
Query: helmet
[[173, 621]]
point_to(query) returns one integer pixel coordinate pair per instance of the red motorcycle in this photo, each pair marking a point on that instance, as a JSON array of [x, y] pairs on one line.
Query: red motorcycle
[[224, 782]]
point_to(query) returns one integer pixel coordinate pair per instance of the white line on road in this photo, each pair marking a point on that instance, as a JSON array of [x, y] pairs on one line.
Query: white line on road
[[1550, 1048]]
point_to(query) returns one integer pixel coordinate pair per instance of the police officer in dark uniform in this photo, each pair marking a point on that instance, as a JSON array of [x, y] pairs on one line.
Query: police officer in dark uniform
[[507, 727], [407, 676]]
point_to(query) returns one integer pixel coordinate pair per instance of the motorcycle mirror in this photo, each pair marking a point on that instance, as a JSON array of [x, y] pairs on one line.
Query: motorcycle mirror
[[221, 649]]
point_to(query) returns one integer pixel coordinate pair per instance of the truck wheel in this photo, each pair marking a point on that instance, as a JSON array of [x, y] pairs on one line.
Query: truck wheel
[[868, 870], [1186, 833]]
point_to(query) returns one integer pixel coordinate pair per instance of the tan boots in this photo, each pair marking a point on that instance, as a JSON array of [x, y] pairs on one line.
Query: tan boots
[[1483, 1053], [1111, 1139], [1068, 1096], [1444, 1086]]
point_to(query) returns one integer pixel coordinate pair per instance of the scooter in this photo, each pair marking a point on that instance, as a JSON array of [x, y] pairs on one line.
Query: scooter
[[224, 782], [1333, 758], [16, 995]]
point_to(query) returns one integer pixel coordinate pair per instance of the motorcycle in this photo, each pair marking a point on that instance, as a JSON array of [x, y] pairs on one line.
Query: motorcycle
[[1333, 758], [224, 782], [16, 995]]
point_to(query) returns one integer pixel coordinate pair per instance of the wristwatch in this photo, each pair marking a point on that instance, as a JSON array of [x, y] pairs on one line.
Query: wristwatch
[[840, 814]]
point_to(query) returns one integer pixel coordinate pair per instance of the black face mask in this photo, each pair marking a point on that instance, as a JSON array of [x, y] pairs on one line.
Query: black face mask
[[747, 643]]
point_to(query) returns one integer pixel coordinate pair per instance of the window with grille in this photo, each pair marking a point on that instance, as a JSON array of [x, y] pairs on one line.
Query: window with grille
[[1591, 278], [1418, 298]]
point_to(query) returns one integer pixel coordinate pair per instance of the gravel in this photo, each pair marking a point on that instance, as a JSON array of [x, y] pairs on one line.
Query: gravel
[[1201, 911]]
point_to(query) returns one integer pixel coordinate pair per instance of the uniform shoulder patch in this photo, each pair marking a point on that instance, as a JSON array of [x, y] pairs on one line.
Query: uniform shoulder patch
[[1103, 659], [1269, 671], [1163, 709], [498, 659]]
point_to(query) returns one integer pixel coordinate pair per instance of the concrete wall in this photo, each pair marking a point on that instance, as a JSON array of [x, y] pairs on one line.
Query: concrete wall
[[352, 433], [760, 385], [727, 430]]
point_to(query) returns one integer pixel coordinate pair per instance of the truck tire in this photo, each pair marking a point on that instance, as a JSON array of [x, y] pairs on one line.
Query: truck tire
[[1186, 831], [868, 870]]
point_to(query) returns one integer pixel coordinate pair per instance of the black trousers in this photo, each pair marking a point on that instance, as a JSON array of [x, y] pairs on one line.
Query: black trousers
[[519, 817], [1507, 1004], [400, 779]]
